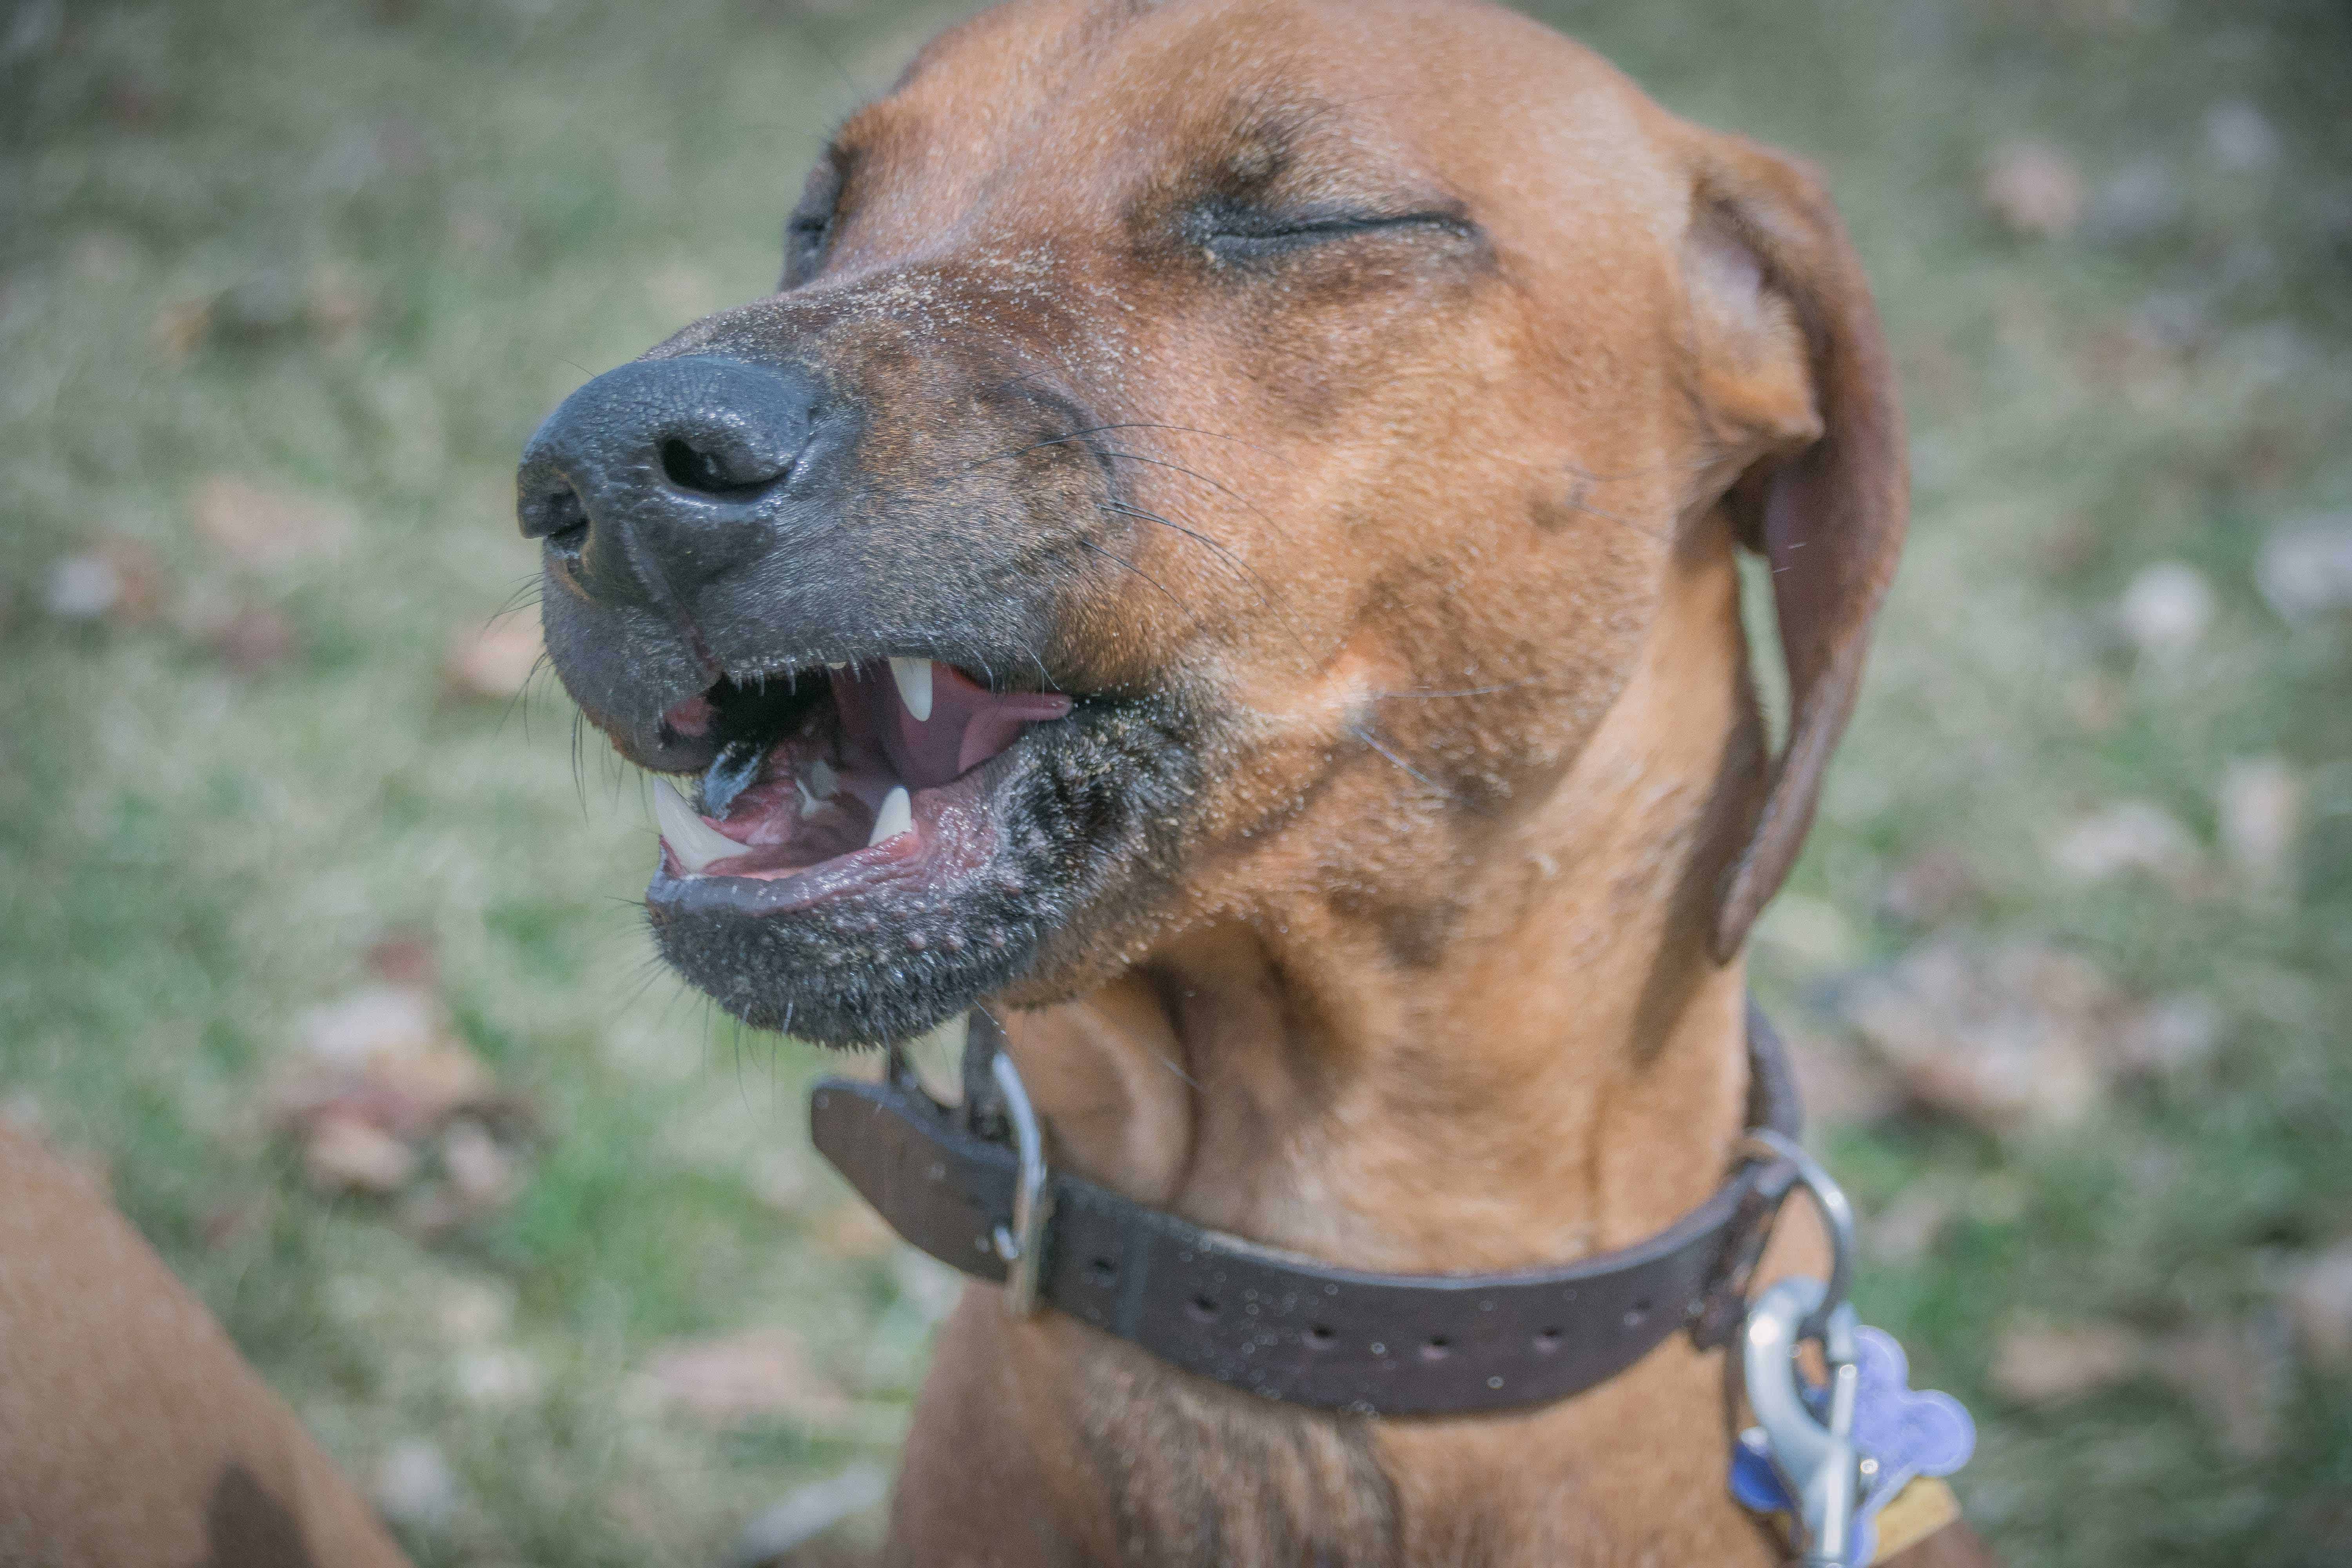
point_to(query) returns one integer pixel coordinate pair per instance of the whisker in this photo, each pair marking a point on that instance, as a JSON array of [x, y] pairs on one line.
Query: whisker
[[1125, 510], [522, 693], [1131, 567], [1368, 738], [1170, 1063], [580, 761], [530, 591]]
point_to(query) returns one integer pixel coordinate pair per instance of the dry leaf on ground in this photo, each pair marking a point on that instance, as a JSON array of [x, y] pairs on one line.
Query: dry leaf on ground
[[2261, 818], [500, 1377], [743, 1377], [2318, 1301], [1837, 1085], [414, 1486], [2166, 610], [2043, 1364], [1932, 888], [380, 1070], [180, 329], [2128, 835], [2170, 1034], [267, 527], [254, 639], [405, 958], [492, 663], [2305, 569], [346, 1153], [2033, 189], [1906, 1229], [2235, 1374], [117, 579], [2009, 1038], [853, 1231]]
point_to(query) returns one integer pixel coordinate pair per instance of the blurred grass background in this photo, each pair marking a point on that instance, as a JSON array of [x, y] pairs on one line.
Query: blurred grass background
[[284, 287]]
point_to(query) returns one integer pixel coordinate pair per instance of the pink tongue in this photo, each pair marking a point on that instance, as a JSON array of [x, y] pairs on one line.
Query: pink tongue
[[969, 724]]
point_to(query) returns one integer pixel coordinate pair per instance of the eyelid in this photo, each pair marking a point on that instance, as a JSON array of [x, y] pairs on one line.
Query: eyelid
[[1275, 228], [815, 215]]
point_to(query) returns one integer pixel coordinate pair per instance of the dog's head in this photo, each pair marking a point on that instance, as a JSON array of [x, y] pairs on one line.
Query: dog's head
[[1196, 447]]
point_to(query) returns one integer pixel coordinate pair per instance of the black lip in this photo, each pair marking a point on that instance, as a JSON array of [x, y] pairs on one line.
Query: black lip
[[1081, 819]]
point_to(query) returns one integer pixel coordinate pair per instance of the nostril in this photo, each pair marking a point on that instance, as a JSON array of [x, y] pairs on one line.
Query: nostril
[[709, 473], [557, 515]]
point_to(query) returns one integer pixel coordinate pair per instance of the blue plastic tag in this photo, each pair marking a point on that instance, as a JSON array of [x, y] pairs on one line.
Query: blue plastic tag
[[1909, 1432]]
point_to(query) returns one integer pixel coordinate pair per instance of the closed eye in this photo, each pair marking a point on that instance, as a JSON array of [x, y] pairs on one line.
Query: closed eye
[[808, 233], [1236, 236]]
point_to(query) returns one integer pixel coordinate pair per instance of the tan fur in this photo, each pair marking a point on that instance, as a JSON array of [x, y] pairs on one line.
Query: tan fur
[[131, 1432], [1451, 981]]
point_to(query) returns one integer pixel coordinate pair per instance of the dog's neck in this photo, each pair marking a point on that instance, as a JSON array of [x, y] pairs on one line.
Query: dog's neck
[[1562, 1072], [1562, 1065]]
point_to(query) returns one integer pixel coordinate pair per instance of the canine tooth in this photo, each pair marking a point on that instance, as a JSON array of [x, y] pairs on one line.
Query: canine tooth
[[823, 781], [914, 679], [694, 841], [897, 816], [810, 804]]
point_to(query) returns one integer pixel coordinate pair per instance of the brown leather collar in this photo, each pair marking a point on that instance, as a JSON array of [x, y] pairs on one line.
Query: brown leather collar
[[1284, 1326]]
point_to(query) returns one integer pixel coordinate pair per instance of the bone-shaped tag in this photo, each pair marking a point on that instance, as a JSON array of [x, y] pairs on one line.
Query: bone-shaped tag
[[1907, 1433]]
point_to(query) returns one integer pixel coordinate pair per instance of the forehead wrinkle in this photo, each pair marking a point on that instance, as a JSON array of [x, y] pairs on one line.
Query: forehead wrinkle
[[1052, 119], [1052, 85]]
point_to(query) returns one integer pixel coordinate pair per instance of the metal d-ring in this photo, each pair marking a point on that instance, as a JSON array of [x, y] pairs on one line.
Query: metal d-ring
[[1022, 1244], [1837, 1216]]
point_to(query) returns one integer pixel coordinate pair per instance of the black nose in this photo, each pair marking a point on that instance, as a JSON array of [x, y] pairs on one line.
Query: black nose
[[660, 476]]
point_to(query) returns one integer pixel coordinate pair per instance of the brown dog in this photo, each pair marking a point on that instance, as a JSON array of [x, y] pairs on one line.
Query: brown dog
[[1294, 455], [131, 1434], [1349, 412]]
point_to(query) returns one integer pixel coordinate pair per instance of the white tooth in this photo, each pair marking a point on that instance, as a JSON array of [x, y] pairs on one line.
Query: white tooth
[[694, 841], [897, 816], [831, 664], [810, 804], [823, 781], [914, 679]]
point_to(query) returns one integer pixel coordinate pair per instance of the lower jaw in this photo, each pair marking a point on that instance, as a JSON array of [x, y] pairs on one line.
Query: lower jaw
[[848, 972], [880, 945], [1079, 835]]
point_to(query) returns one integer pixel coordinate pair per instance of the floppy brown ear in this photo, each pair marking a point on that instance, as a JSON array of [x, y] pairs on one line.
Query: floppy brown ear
[[1792, 365]]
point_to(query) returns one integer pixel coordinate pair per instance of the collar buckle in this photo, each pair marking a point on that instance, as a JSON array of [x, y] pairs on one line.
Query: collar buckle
[[1021, 1245], [994, 1105]]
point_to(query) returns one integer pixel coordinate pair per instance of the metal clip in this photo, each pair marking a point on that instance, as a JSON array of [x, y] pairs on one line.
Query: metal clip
[[1815, 1457], [1022, 1246], [1807, 1432]]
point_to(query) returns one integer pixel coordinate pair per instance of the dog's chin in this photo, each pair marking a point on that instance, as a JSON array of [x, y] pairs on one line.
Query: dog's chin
[[845, 934]]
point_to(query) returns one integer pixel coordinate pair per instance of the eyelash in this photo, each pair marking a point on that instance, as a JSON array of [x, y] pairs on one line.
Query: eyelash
[[805, 242], [1229, 237], [1243, 238], [808, 233]]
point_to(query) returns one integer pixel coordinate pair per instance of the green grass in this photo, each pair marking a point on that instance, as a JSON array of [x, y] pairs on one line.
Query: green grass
[[511, 196]]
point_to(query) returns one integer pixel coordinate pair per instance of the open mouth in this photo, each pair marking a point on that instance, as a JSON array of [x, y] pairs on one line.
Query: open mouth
[[825, 782]]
